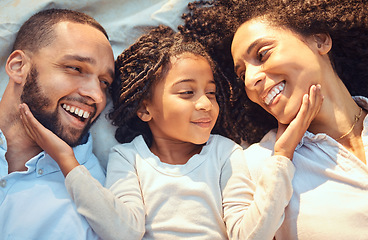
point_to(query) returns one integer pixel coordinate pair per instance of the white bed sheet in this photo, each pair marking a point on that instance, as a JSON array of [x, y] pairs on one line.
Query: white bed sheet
[[124, 21]]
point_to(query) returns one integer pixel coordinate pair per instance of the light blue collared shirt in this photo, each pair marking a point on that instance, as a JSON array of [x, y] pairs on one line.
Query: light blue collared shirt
[[35, 205]]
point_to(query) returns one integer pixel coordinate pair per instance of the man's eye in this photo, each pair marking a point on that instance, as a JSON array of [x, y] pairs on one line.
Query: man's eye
[[78, 69], [106, 83]]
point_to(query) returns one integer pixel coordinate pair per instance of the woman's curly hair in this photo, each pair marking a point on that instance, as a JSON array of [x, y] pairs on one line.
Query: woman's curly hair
[[141, 66], [213, 24]]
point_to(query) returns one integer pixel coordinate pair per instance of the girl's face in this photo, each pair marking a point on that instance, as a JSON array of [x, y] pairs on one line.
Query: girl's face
[[277, 66], [183, 107]]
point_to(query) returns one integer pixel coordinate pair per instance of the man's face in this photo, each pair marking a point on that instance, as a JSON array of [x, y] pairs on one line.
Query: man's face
[[67, 85]]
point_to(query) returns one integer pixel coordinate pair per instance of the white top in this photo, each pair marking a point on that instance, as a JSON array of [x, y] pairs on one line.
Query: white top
[[190, 201], [330, 198]]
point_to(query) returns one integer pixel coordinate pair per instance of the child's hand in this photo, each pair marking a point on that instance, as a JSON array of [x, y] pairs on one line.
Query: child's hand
[[59, 150], [288, 136]]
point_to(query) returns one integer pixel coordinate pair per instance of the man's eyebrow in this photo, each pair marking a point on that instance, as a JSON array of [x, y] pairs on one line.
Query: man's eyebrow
[[111, 73], [79, 58], [87, 60]]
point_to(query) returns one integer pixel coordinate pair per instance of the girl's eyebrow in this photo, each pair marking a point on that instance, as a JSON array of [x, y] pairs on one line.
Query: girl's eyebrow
[[191, 80], [183, 81]]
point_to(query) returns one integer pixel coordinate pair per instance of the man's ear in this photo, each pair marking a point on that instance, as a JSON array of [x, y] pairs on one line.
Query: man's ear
[[323, 42], [143, 112], [17, 66]]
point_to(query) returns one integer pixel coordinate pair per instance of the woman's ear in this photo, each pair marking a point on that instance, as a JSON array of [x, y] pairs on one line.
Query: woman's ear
[[143, 112], [17, 66], [323, 42]]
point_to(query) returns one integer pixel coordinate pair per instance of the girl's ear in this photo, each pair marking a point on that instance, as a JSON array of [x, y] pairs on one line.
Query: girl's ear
[[143, 112], [17, 66], [323, 42]]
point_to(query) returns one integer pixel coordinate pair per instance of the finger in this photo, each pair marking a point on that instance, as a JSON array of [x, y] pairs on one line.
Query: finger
[[25, 121], [319, 97], [312, 95], [312, 103], [304, 107], [280, 129], [316, 100], [30, 122]]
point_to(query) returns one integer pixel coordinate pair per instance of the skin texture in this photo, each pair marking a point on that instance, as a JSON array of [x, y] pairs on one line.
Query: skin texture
[[181, 114], [80, 73], [214, 23], [68, 71], [265, 58], [183, 109]]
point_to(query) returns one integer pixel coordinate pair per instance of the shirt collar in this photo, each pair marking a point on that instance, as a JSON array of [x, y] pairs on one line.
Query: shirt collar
[[42, 163], [45, 164]]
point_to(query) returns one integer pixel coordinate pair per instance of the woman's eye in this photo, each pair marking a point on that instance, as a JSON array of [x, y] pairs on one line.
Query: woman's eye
[[261, 54], [242, 76]]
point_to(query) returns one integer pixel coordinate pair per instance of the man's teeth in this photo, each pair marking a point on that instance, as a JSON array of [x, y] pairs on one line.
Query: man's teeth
[[76, 111], [273, 92]]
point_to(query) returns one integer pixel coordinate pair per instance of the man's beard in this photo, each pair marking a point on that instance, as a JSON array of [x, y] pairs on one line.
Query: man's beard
[[37, 102]]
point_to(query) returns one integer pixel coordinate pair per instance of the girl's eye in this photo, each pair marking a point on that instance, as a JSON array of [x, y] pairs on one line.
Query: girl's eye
[[211, 95], [261, 55], [186, 93]]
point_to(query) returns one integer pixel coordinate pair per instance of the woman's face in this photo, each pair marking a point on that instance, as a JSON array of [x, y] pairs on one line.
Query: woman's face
[[277, 66]]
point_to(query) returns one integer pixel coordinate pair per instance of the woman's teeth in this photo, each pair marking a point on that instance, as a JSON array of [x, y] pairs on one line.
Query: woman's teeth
[[273, 92], [76, 111]]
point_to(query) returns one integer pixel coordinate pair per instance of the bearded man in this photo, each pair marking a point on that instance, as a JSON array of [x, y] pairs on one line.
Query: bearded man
[[61, 66]]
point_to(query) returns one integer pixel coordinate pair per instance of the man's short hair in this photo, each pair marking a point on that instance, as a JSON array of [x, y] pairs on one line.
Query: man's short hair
[[38, 32]]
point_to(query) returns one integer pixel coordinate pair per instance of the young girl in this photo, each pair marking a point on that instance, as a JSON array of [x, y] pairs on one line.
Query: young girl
[[278, 49], [171, 178]]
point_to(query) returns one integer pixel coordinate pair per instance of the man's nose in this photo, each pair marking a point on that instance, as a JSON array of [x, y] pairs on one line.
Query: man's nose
[[92, 89]]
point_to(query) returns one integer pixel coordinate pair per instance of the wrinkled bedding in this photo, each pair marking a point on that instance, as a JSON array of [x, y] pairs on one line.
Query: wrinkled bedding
[[124, 21]]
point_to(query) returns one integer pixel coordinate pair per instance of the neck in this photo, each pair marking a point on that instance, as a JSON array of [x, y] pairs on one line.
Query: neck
[[338, 111], [174, 152], [337, 118], [20, 148]]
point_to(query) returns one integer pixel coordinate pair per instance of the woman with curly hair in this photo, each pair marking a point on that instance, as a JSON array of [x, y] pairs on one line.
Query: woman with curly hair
[[172, 177], [279, 49]]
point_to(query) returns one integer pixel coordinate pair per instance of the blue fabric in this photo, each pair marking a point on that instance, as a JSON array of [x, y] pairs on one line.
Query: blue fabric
[[35, 204]]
